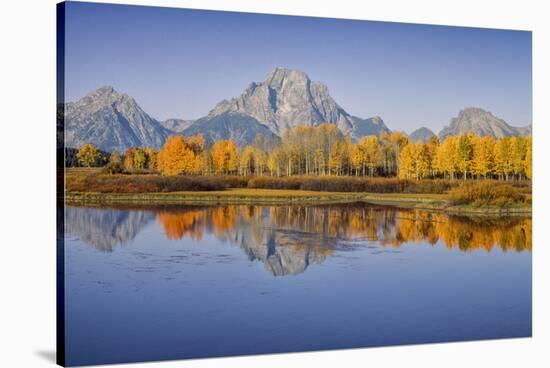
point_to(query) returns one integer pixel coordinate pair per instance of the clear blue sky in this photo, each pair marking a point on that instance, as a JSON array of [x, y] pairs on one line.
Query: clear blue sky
[[180, 63]]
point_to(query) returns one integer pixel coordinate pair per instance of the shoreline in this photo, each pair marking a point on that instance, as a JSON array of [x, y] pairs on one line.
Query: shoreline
[[428, 202]]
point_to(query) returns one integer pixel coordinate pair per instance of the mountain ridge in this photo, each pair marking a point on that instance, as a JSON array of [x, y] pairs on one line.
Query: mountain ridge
[[479, 121], [110, 120], [285, 99]]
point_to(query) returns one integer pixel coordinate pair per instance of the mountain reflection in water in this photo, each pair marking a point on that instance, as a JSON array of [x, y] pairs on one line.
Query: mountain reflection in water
[[287, 239]]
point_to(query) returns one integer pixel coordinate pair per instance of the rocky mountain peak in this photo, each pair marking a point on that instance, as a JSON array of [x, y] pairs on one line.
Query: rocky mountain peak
[[478, 121], [111, 120], [279, 76], [102, 97], [105, 90], [102, 94], [474, 113], [288, 98]]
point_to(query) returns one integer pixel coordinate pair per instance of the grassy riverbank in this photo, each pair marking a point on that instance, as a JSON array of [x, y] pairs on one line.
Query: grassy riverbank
[[434, 202], [90, 187]]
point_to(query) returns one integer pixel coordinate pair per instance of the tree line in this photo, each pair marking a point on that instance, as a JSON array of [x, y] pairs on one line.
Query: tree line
[[468, 156], [323, 150]]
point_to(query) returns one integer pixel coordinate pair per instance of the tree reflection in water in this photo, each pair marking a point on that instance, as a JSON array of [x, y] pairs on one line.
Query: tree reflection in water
[[289, 238]]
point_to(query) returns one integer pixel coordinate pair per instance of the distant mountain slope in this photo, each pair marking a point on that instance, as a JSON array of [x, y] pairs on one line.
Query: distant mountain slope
[[422, 134], [110, 120], [288, 98], [524, 131], [176, 125], [479, 121], [229, 125], [370, 126]]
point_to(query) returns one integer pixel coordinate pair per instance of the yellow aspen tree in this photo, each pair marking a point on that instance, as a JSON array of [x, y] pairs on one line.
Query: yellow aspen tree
[[503, 158], [277, 161], [465, 153], [218, 157], [88, 155], [129, 158], [387, 154], [325, 135], [291, 153], [260, 161], [431, 149], [437, 162], [232, 155], [407, 162], [151, 157], [372, 153], [528, 163], [340, 156], [207, 167], [483, 156], [423, 160], [334, 160], [114, 165], [518, 151], [398, 140], [114, 158], [176, 157], [139, 158], [196, 143], [359, 156], [225, 157], [246, 166], [320, 162], [347, 146], [307, 144], [447, 156]]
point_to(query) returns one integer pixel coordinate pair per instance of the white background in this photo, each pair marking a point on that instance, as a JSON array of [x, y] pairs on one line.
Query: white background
[[27, 180]]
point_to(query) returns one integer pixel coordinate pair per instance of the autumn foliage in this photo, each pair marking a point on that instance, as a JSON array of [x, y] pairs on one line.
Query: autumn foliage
[[225, 157], [179, 156], [322, 150], [468, 156], [88, 155]]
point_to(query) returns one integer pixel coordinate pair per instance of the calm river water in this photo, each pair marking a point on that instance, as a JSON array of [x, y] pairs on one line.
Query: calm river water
[[156, 283]]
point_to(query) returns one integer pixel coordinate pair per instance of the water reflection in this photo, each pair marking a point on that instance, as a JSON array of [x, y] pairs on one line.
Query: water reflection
[[105, 228], [287, 239]]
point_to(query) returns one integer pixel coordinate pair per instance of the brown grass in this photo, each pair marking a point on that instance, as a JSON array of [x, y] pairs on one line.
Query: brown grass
[[488, 193], [89, 180], [141, 184], [353, 184], [471, 192]]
